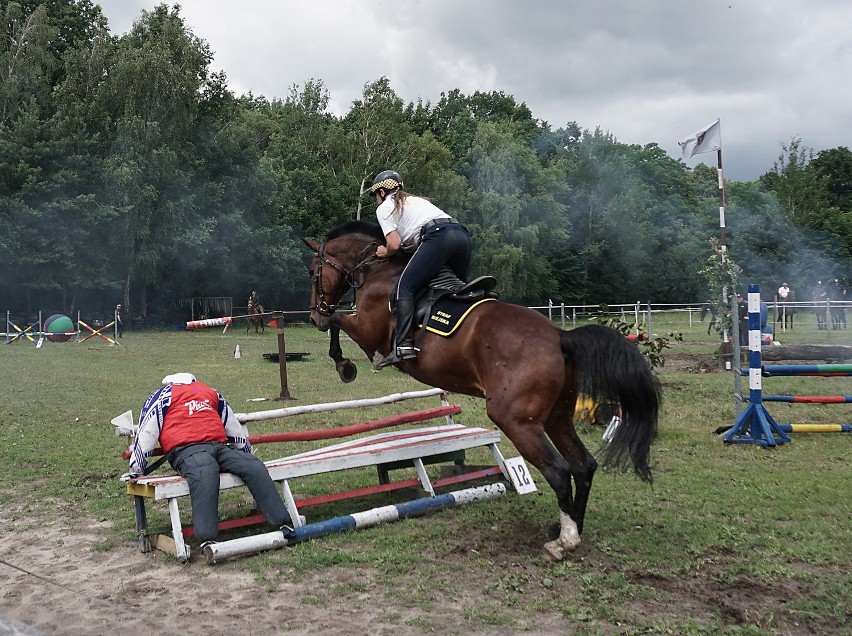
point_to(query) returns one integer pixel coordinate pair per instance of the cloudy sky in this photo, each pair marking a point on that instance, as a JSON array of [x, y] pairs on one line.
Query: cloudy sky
[[644, 70]]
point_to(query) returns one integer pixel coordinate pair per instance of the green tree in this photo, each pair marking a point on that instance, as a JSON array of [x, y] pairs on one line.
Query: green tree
[[310, 162], [50, 172], [834, 168], [514, 217], [380, 135], [26, 61], [805, 201], [151, 94]]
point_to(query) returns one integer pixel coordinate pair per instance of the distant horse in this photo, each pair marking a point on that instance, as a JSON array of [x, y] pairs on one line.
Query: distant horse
[[255, 317], [528, 370], [787, 309], [838, 317], [713, 310], [821, 309], [838, 310]]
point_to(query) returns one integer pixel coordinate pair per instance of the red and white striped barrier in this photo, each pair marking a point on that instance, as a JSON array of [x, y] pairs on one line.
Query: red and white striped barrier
[[210, 322]]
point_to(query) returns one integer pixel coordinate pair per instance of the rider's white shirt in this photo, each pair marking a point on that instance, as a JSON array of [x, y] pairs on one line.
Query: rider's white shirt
[[416, 213], [783, 292]]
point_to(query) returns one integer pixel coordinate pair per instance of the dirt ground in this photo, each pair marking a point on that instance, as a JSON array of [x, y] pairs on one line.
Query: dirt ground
[[56, 578], [61, 580]]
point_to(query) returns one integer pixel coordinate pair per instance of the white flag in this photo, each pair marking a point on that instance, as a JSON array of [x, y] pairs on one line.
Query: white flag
[[705, 140]]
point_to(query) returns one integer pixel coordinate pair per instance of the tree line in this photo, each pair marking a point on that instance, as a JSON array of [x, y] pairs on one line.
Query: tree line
[[130, 172]]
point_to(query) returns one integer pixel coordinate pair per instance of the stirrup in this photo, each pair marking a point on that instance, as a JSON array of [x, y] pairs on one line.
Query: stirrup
[[407, 352], [398, 354]]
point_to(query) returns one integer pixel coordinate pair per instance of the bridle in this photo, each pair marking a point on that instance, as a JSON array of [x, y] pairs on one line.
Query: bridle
[[354, 277]]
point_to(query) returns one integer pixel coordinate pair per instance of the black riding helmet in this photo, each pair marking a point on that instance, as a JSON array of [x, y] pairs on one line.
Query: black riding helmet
[[386, 180]]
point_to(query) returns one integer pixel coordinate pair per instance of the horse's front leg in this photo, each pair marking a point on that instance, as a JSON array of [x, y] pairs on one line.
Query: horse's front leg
[[346, 369]]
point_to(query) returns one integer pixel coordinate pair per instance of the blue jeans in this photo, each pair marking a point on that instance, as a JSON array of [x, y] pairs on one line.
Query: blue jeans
[[201, 465], [445, 244]]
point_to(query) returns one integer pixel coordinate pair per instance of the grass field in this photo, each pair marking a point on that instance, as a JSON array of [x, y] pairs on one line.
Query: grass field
[[730, 539]]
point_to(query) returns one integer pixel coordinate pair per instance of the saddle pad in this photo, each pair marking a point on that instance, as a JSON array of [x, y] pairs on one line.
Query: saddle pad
[[448, 314]]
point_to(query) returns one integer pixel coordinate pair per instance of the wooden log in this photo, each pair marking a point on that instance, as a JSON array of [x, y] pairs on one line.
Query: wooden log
[[827, 352]]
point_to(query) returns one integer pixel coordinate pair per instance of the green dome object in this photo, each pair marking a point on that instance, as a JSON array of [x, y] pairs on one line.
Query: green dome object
[[59, 328]]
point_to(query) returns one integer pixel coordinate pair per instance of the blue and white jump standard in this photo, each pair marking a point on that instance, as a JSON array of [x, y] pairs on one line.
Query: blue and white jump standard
[[755, 425]]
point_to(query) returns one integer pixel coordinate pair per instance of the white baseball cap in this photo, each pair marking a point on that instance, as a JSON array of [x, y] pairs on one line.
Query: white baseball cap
[[179, 378]]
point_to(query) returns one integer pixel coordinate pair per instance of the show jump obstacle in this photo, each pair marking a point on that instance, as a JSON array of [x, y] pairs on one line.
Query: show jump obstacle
[[755, 425], [41, 330], [388, 451]]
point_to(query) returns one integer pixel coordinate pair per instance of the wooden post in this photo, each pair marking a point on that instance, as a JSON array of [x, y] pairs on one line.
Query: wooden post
[[282, 359]]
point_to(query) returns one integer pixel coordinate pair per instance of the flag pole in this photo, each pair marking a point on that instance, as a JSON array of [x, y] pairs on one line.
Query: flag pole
[[723, 242], [721, 203], [735, 315]]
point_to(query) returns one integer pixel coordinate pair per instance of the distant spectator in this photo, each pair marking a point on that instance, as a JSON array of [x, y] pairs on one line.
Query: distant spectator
[[786, 308], [119, 323], [820, 296]]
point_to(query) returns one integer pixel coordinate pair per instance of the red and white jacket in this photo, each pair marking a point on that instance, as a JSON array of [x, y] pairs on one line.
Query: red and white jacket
[[181, 414]]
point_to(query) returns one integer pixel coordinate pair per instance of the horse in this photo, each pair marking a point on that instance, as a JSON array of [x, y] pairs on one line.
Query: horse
[[713, 310], [787, 309], [838, 310], [528, 370], [255, 317], [821, 308]]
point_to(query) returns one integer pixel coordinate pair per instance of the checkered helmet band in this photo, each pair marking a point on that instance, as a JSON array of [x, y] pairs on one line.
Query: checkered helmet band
[[387, 184], [386, 180]]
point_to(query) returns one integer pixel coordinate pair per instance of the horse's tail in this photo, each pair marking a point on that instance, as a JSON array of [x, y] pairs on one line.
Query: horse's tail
[[705, 309], [610, 369]]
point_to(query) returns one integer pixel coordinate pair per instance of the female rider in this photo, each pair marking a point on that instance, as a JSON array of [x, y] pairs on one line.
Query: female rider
[[440, 239]]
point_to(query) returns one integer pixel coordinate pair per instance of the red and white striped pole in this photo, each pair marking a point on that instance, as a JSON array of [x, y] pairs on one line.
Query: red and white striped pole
[[210, 322]]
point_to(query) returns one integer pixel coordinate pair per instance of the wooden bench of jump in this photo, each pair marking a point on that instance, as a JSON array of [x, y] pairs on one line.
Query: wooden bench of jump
[[387, 451]]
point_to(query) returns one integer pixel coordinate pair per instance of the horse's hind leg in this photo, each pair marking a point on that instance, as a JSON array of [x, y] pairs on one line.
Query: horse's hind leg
[[581, 462], [537, 449]]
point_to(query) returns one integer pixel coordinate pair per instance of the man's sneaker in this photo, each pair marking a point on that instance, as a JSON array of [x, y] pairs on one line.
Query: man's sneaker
[[204, 545]]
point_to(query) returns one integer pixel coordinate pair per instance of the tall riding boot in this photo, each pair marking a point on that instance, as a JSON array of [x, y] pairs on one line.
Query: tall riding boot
[[405, 349]]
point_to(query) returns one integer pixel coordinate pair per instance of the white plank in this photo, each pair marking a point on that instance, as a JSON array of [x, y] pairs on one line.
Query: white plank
[[370, 451]]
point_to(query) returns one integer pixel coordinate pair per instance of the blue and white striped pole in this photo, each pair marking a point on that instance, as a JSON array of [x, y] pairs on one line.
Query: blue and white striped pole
[[214, 552], [755, 425]]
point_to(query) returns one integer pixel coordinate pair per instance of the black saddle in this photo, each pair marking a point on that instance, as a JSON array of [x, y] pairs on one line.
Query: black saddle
[[449, 291], [447, 283]]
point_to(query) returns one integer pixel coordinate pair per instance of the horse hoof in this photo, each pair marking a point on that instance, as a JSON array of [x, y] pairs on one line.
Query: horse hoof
[[347, 370]]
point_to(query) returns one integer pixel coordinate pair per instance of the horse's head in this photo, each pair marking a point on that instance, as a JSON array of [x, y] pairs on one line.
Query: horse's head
[[339, 264]]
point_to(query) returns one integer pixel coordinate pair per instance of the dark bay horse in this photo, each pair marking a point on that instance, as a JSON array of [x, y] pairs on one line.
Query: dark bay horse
[[255, 317], [786, 309], [527, 369]]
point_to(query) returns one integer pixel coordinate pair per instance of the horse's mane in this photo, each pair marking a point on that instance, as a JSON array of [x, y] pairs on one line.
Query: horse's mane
[[373, 230]]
